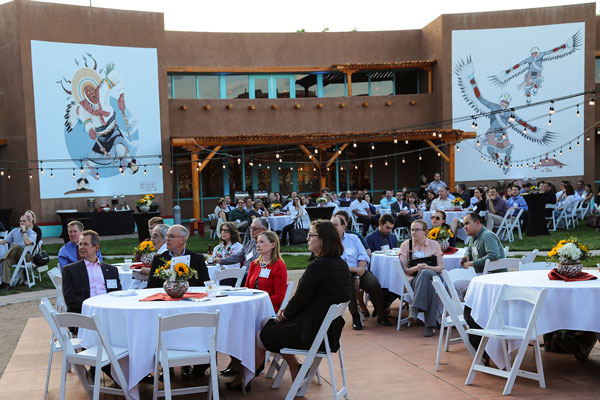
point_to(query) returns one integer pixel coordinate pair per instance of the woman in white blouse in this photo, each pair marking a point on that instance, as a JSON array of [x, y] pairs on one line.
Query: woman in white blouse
[[230, 243], [566, 199], [299, 217]]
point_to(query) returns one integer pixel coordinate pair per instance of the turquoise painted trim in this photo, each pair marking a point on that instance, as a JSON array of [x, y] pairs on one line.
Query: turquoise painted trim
[[369, 93], [225, 178], [295, 174], [197, 87], [345, 85], [319, 85], [243, 169], [274, 177], [172, 88], [418, 83], [337, 171], [394, 85], [395, 167], [251, 87], [222, 87], [254, 177]]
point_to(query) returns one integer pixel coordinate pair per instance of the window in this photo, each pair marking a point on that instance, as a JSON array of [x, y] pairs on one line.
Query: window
[[212, 179], [407, 82], [308, 179], [208, 87], [283, 88], [170, 86], [235, 175], [237, 86], [184, 87], [360, 84], [597, 70], [382, 83], [306, 85], [334, 85]]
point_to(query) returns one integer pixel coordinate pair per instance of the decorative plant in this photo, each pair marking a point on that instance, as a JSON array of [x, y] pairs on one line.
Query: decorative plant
[[145, 201], [146, 247], [457, 201], [439, 233], [180, 272], [569, 251]]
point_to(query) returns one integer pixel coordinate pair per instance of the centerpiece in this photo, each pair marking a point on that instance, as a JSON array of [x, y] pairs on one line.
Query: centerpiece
[[176, 278], [458, 203], [568, 254], [321, 201], [145, 252], [275, 208], [145, 203], [441, 235]]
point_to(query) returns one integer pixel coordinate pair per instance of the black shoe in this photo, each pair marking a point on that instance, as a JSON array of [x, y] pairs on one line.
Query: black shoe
[[366, 313], [356, 324], [238, 387], [171, 374], [228, 372], [186, 372], [199, 370], [374, 313], [4, 286], [384, 322], [259, 370]]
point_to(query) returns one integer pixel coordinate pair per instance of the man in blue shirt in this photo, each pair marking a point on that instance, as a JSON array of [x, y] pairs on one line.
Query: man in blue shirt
[[383, 235], [388, 200], [357, 259], [517, 202], [436, 184], [18, 238], [69, 253]]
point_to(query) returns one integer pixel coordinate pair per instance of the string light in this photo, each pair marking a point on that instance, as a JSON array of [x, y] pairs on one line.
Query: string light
[[239, 161], [525, 129], [2, 172], [370, 165], [438, 154], [198, 167], [406, 140], [51, 174], [440, 135], [478, 144], [251, 163], [578, 143], [386, 163], [316, 150], [587, 137], [340, 151], [372, 146], [8, 176], [560, 152], [598, 130], [74, 173], [403, 160], [570, 150], [122, 171], [549, 121], [420, 157], [98, 174], [551, 110], [355, 166], [354, 145], [592, 99], [277, 155], [30, 175], [578, 111], [145, 170], [434, 134], [341, 168], [81, 167], [223, 165], [457, 147], [395, 140], [512, 115], [554, 156], [171, 170], [281, 160], [160, 164]]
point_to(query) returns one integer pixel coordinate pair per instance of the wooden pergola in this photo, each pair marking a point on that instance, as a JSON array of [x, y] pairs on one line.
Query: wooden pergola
[[321, 140]]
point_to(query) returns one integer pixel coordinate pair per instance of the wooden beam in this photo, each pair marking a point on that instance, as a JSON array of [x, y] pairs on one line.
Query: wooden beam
[[336, 154], [310, 156], [429, 81], [249, 69], [3, 141], [451, 170], [195, 187], [349, 75], [209, 157], [433, 146]]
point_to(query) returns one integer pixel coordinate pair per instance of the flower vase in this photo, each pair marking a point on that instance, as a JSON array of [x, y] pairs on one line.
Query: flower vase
[[147, 258], [444, 244], [176, 289], [144, 209], [569, 270]]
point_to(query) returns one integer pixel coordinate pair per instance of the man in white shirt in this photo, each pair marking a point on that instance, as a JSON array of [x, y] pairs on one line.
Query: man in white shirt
[[387, 201], [442, 202], [362, 212], [18, 238], [436, 184]]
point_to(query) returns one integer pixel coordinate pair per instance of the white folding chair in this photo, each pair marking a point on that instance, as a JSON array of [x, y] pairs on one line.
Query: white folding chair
[[356, 226], [512, 224], [401, 233], [503, 263], [56, 342], [313, 358], [213, 232], [218, 229], [551, 218], [529, 258], [566, 216], [497, 329], [407, 294], [96, 356], [506, 249], [237, 273], [502, 231], [276, 363], [55, 276], [536, 266], [25, 266], [169, 357], [584, 210], [452, 277], [452, 317]]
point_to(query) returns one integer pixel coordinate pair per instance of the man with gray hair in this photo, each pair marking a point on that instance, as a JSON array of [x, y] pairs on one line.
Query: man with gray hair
[[248, 252], [158, 236]]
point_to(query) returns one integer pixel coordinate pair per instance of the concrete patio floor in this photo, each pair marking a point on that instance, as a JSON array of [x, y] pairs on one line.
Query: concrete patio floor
[[381, 363]]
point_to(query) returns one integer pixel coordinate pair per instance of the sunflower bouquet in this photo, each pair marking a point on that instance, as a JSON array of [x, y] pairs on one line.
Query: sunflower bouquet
[[457, 201], [439, 233], [146, 247], [275, 206], [569, 251], [145, 201], [179, 272]]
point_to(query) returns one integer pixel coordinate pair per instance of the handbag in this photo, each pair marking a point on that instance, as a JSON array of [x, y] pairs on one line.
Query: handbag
[[298, 234], [431, 260], [41, 258]]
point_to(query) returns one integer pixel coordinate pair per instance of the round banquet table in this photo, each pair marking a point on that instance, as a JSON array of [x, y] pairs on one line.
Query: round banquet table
[[382, 266], [536, 214], [133, 324], [278, 222], [129, 282], [450, 216], [568, 305]]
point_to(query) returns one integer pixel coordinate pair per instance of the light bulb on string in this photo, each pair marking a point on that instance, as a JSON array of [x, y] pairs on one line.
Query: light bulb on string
[[341, 168], [239, 161], [354, 145], [578, 143], [527, 165], [316, 150], [570, 150], [403, 160], [560, 152], [372, 146], [8, 176], [260, 164], [355, 166], [277, 155], [540, 160], [281, 160], [251, 163], [51, 174], [546, 157], [549, 121], [97, 175], [395, 140], [551, 110], [223, 166], [340, 151], [578, 115], [438, 154], [74, 173], [478, 144], [587, 137], [554, 156], [30, 175], [145, 172], [386, 163], [171, 171], [598, 130], [160, 163], [440, 135], [512, 115], [592, 99], [279, 168], [370, 165], [525, 130], [122, 171], [2, 172], [434, 134], [406, 140], [457, 147], [198, 167], [503, 135], [420, 157], [314, 169]]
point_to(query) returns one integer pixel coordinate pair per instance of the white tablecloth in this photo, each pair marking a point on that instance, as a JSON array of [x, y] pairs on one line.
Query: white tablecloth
[[133, 324], [279, 222], [127, 281], [382, 266], [450, 216], [568, 305]]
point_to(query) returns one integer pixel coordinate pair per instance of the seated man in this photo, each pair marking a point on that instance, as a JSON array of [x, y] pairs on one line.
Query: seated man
[[361, 210], [442, 202], [239, 216], [517, 202], [346, 217], [89, 276], [158, 236], [461, 191], [387, 201], [153, 222], [356, 257], [69, 253], [497, 207], [383, 235], [436, 184], [18, 239], [248, 252], [401, 211]]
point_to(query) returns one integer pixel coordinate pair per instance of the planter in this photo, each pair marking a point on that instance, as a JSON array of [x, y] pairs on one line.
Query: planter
[[444, 244], [147, 258], [176, 289], [569, 270], [144, 209]]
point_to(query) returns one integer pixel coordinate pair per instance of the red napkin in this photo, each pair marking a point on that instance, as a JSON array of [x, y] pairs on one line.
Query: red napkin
[[166, 297], [583, 276], [451, 250], [138, 266]]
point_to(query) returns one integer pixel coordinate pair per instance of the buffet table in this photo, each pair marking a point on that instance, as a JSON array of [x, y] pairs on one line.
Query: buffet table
[[105, 222]]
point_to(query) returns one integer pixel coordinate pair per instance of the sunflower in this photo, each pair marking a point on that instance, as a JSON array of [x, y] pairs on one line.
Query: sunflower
[[181, 269]]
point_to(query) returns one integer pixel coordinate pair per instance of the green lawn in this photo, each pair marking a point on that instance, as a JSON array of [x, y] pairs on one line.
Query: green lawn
[[582, 232]]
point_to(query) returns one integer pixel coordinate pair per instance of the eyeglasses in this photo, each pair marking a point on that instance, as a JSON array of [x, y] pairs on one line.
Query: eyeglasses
[[254, 228], [173, 236], [224, 230], [310, 235], [416, 229], [436, 217]]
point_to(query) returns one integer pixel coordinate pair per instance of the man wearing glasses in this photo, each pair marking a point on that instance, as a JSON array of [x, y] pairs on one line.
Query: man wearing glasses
[[239, 216], [248, 252]]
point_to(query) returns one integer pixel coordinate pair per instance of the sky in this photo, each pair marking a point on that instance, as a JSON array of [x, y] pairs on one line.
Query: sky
[[311, 15]]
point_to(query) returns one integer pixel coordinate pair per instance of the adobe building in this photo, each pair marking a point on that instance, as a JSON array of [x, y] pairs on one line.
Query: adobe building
[[109, 103]]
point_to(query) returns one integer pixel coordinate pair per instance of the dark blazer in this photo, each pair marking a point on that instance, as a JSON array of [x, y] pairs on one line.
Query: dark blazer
[[76, 283], [397, 207], [196, 262], [375, 240], [326, 281]]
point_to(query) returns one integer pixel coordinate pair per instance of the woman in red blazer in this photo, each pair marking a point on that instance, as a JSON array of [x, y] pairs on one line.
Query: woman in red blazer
[[268, 271]]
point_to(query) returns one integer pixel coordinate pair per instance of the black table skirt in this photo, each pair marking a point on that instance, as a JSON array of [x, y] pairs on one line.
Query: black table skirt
[[141, 220], [105, 223], [536, 222]]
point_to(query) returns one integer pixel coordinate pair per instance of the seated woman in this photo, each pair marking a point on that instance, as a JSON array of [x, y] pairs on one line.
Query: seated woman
[[258, 210], [413, 206], [421, 260], [326, 281], [229, 244], [372, 208], [221, 209], [429, 198], [568, 198], [438, 220], [299, 219], [587, 194]]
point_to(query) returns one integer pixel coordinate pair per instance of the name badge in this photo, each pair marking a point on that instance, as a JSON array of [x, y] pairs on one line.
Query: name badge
[[111, 283], [264, 273], [419, 254], [475, 252], [249, 256], [350, 251]]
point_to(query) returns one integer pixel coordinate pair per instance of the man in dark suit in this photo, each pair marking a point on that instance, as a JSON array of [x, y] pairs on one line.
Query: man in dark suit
[[401, 211], [177, 236], [89, 276]]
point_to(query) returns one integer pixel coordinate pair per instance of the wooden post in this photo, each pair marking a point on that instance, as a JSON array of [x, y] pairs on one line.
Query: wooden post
[[429, 81], [349, 75], [195, 188], [336, 154], [433, 146], [451, 171]]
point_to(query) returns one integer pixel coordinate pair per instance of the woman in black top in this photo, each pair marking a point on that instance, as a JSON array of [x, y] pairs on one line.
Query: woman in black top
[[481, 204]]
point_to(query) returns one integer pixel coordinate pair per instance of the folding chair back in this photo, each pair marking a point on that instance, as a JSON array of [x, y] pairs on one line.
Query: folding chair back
[[25, 266], [512, 224], [502, 231], [407, 292], [237, 273], [55, 276], [529, 258], [288, 293], [551, 218], [536, 266], [453, 276], [503, 263]]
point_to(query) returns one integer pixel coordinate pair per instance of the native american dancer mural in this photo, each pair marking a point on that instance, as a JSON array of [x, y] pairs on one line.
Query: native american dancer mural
[[533, 65]]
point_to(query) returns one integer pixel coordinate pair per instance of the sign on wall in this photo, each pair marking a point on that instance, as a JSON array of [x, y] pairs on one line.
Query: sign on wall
[[495, 71], [97, 119]]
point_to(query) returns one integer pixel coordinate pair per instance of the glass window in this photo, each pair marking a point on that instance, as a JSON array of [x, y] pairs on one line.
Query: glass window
[[263, 176], [184, 179], [597, 70], [407, 82], [237, 86], [261, 88], [334, 85], [185, 86], [360, 84], [235, 175], [169, 86], [382, 83], [283, 88], [212, 179], [306, 85], [286, 179], [308, 179], [208, 87]]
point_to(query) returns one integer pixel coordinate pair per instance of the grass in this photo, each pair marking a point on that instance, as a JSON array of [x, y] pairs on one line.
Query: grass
[[583, 232]]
